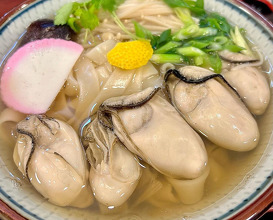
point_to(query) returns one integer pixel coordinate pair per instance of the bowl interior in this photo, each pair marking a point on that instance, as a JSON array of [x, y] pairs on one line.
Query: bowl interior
[[228, 200]]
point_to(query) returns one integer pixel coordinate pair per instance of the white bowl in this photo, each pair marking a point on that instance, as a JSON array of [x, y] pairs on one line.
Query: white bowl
[[21, 197]]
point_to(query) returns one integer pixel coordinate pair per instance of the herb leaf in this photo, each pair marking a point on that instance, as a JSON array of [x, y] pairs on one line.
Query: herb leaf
[[89, 20], [196, 7], [216, 21], [142, 32], [111, 5], [84, 15], [72, 22], [156, 41], [164, 37], [63, 14]]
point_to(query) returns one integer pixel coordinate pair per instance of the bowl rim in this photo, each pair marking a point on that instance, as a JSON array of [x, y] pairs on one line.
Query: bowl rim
[[257, 208], [256, 14]]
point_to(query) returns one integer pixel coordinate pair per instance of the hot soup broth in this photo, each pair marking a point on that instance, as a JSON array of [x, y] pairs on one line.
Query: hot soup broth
[[148, 189]]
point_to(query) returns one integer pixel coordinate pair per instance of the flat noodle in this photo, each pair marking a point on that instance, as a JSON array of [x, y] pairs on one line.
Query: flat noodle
[[165, 197], [148, 186], [8, 120], [114, 86], [89, 87], [60, 108], [218, 160], [71, 87], [190, 191]]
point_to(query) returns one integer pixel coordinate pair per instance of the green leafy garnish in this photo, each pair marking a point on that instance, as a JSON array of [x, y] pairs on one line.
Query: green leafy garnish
[[162, 39], [240, 41], [233, 48], [79, 15], [216, 21], [197, 7], [167, 58], [85, 14], [184, 15], [155, 40], [199, 43], [142, 32], [190, 51], [167, 47], [194, 31], [63, 14], [213, 62]]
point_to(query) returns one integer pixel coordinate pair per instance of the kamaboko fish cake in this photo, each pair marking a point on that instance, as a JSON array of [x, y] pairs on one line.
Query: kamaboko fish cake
[[151, 128], [212, 107]]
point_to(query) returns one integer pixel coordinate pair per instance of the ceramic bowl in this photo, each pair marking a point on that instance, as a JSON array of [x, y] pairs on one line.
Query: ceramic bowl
[[254, 190]]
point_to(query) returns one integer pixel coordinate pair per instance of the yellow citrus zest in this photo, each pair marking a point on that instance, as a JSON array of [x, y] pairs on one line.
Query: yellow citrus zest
[[130, 55]]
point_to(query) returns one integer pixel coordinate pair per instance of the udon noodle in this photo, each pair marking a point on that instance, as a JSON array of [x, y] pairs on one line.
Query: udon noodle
[[94, 80]]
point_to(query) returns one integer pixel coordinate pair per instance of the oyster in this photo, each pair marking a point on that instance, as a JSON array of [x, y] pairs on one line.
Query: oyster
[[252, 87], [212, 108], [236, 57], [150, 127], [48, 152], [115, 171]]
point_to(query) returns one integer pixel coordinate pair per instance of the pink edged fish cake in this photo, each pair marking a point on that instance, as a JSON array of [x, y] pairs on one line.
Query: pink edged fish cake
[[36, 72]]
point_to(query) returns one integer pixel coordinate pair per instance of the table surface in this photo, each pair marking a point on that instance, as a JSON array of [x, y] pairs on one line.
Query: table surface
[[7, 5]]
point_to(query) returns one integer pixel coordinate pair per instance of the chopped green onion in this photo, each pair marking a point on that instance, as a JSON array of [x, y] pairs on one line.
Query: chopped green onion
[[233, 48], [185, 16], [167, 47], [185, 33], [166, 58], [199, 60], [213, 46], [220, 39], [190, 51], [198, 44], [213, 61], [208, 31], [240, 41], [194, 31]]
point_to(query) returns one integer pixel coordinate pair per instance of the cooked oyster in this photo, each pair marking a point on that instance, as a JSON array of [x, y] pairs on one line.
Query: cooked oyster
[[236, 57], [252, 87], [49, 154], [211, 108], [115, 171], [150, 127]]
